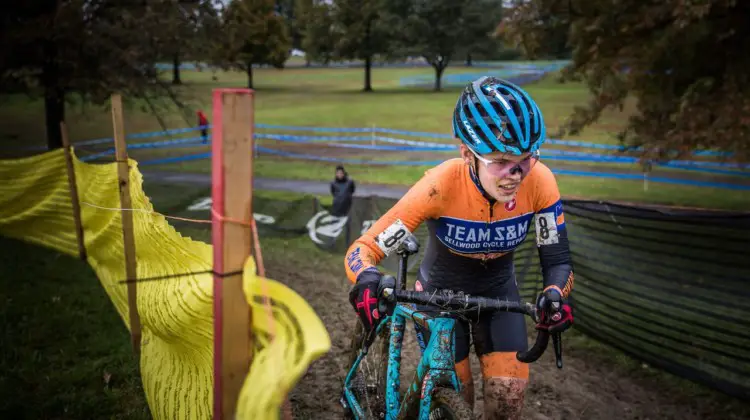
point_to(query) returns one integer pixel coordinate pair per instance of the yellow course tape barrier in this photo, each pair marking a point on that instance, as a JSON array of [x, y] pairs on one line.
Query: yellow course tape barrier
[[176, 314]]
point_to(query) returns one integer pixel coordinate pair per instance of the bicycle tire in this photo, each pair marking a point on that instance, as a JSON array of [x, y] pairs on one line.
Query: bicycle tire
[[450, 405], [355, 346]]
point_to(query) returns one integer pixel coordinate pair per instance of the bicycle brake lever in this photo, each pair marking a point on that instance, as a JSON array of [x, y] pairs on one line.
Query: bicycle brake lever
[[557, 344]]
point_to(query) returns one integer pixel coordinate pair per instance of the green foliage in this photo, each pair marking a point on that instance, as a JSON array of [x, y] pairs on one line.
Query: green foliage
[[315, 23], [545, 32], [289, 10], [86, 49], [360, 32], [439, 30], [253, 34], [187, 31], [482, 17], [685, 63]]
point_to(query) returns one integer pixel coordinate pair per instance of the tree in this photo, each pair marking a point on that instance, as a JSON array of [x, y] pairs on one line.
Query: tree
[[315, 23], [288, 10], [684, 63], [253, 34], [87, 49], [438, 29], [549, 37], [482, 18], [188, 29], [360, 32]]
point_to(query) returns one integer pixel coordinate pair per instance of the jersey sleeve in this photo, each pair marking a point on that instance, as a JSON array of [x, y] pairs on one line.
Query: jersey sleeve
[[551, 234], [423, 201]]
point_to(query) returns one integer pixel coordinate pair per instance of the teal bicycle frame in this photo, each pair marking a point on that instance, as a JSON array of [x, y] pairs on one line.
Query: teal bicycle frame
[[435, 367]]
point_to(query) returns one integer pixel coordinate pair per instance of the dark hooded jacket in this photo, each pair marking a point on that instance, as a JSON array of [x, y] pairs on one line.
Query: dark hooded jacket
[[342, 191]]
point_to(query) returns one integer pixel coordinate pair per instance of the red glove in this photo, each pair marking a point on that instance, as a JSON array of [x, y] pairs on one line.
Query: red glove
[[364, 298], [555, 315]]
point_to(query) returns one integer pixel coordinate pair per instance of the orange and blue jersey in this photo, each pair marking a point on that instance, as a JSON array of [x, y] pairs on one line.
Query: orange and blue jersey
[[472, 238]]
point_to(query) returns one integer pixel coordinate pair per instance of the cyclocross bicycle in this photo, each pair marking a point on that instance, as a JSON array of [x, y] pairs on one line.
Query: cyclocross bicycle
[[373, 390]]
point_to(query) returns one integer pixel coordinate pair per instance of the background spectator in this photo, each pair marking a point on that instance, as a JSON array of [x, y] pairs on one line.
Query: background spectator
[[342, 189], [203, 122]]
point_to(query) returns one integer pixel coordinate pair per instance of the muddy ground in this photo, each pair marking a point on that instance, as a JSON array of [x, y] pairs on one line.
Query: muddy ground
[[590, 386]]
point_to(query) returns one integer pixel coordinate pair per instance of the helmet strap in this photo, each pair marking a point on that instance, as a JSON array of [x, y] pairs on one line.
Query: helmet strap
[[474, 175]]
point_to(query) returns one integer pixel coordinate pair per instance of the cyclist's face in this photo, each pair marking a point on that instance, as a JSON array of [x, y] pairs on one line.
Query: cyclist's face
[[500, 174]]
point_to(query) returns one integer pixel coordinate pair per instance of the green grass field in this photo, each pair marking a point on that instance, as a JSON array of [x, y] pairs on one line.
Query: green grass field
[[317, 97], [333, 97], [64, 351]]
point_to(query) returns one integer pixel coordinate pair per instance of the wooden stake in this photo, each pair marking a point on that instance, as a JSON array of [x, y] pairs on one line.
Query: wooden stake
[[73, 191], [123, 176], [232, 153]]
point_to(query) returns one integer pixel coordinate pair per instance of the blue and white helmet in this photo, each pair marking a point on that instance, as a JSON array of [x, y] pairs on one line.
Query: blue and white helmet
[[495, 115]]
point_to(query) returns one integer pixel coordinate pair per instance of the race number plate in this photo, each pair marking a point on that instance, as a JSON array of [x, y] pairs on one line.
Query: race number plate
[[546, 229], [393, 236]]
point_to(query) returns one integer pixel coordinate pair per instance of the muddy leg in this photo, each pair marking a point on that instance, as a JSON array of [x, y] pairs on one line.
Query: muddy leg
[[505, 380]]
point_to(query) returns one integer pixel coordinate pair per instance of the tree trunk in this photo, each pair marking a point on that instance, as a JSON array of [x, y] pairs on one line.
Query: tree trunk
[[54, 113], [368, 74], [54, 97], [439, 67], [249, 75], [368, 58], [176, 70], [468, 60]]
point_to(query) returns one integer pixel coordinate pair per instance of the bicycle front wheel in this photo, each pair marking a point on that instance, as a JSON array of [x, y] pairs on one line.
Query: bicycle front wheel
[[369, 382], [448, 404]]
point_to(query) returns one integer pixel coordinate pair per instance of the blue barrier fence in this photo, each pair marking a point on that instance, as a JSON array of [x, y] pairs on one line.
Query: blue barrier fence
[[374, 130], [412, 145], [358, 138], [596, 174]]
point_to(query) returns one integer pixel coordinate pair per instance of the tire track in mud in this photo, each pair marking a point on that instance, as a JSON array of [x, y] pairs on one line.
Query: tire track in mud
[[588, 387]]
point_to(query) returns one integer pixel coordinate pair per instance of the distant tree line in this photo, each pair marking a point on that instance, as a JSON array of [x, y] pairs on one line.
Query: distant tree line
[[683, 62], [83, 50]]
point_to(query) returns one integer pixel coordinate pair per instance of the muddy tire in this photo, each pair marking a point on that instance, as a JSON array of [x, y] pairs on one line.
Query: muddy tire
[[358, 335], [369, 384], [448, 404]]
